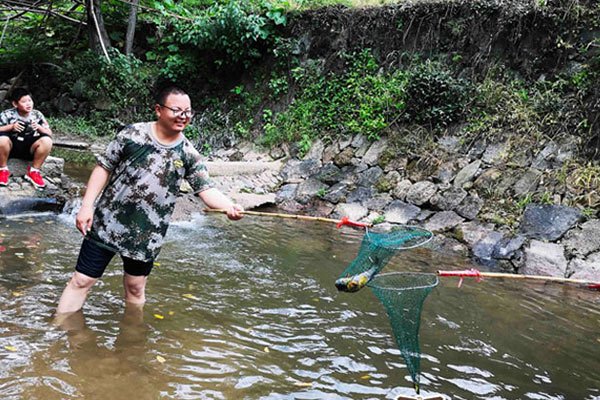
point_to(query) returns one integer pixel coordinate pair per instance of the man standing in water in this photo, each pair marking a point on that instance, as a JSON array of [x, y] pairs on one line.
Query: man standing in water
[[144, 167]]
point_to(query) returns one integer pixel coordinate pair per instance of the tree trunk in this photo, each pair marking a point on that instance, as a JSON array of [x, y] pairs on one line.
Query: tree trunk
[[98, 38], [131, 26]]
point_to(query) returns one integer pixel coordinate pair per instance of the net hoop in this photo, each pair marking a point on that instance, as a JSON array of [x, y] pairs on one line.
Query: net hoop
[[376, 282], [423, 235]]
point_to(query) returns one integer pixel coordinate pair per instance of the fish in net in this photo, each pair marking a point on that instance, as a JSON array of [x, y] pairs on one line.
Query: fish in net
[[403, 294], [376, 250]]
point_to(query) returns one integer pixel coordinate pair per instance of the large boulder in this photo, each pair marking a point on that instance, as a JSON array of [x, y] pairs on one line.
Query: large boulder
[[548, 221], [543, 258]]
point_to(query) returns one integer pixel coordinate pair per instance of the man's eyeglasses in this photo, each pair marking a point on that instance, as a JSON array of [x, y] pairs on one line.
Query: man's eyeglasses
[[177, 112]]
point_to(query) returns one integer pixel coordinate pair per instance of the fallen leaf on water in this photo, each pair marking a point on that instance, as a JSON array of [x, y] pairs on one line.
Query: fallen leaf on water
[[2, 234], [315, 299], [266, 349], [365, 377], [160, 359], [303, 384], [157, 264], [190, 296], [19, 254], [49, 222], [49, 280], [30, 221], [598, 340], [171, 312], [334, 256], [39, 271], [10, 348], [17, 294], [158, 316], [249, 330], [191, 287]]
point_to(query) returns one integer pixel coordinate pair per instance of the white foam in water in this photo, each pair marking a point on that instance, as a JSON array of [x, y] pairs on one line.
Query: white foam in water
[[69, 212]]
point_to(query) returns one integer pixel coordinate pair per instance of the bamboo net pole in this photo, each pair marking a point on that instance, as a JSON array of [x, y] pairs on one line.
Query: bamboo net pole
[[290, 216], [476, 274]]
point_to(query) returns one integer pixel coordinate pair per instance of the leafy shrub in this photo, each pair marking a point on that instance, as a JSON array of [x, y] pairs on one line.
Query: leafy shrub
[[123, 82], [434, 96]]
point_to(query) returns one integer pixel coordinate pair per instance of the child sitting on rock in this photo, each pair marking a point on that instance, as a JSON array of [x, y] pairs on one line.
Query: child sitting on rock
[[25, 134]]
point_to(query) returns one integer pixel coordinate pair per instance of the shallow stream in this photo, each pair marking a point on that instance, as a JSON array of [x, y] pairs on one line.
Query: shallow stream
[[248, 310]]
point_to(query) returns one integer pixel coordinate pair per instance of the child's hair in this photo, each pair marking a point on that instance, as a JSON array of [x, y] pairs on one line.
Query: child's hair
[[165, 91], [18, 93]]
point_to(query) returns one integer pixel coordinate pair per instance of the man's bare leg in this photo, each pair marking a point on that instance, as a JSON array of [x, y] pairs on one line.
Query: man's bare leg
[[75, 293]]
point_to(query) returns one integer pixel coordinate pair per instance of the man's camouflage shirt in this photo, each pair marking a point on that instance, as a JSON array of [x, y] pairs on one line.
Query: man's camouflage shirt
[[133, 213]]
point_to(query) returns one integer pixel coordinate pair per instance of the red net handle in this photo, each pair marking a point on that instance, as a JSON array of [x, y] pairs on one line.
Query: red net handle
[[347, 221]]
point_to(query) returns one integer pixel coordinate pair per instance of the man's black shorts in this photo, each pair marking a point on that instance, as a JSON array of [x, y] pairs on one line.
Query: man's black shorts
[[93, 260], [21, 144]]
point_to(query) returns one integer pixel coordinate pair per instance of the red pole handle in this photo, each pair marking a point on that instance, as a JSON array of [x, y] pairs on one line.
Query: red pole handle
[[346, 221]]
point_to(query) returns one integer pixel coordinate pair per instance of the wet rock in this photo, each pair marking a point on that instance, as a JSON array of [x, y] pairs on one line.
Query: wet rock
[[400, 212], [309, 189], [329, 174], [359, 140], [485, 247], [372, 155], [443, 221], [370, 176], [296, 171], [507, 248], [449, 199], [469, 207], [488, 180], [548, 221], [316, 151], [527, 183], [286, 192], [396, 164], [467, 173], [585, 240], [543, 258], [52, 167], [421, 192], [336, 193], [379, 202], [494, 153], [387, 182], [585, 269], [360, 195], [354, 211], [477, 149], [401, 189], [542, 159], [445, 173], [330, 152], [423, 215], [448, 245], [345, 142], [344, 157], [472, 232]]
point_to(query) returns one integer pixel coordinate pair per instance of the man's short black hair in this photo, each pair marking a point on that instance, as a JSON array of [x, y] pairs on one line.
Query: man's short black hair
[[18, 93], [164, 92]]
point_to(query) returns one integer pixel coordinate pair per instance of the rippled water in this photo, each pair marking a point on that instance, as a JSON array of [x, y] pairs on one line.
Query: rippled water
[[248, 310]]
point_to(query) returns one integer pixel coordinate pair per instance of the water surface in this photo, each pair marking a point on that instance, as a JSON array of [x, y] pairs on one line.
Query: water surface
[[248, 310]]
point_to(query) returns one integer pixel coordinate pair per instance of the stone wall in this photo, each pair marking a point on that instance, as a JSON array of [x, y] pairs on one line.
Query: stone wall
[[359, 179]]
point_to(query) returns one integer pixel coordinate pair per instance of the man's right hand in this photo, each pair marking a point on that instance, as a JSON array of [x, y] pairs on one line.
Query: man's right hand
[[84, 218]]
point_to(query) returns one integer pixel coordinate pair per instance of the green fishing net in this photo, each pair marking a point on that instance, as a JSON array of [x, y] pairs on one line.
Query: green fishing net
[[376, 250], [402, 294]]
